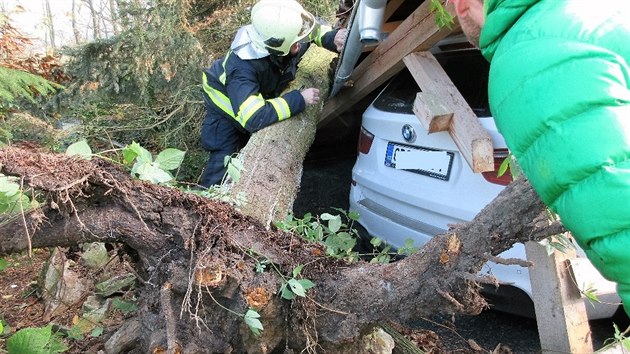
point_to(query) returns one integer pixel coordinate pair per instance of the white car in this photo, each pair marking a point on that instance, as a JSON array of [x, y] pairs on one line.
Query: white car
[[396, 203]]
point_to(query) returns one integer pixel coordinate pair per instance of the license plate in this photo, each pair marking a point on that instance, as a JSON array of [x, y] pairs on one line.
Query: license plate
[[432, 163]]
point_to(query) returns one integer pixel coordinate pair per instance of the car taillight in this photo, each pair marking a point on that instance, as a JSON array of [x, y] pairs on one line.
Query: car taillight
[[365, 141], [492, 176]]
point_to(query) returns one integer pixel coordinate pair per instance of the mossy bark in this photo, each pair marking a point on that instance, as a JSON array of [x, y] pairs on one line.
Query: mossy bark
[[273, 156]]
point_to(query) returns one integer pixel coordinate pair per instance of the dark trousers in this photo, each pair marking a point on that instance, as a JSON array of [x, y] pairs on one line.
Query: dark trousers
[[220, 138]]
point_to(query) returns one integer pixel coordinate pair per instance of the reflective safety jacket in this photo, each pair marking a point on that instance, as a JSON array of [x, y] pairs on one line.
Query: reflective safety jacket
[[247, 90], [559, 90]]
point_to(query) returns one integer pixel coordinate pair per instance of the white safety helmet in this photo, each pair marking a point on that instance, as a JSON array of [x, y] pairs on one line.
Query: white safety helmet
[[279, 24]]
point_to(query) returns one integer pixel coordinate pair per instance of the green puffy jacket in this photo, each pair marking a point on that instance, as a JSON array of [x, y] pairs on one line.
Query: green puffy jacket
[[560, 93]]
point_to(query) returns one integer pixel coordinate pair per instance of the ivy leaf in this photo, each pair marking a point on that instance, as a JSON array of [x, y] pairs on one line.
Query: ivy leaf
[[80, 148], [170, 159], [253, 322]]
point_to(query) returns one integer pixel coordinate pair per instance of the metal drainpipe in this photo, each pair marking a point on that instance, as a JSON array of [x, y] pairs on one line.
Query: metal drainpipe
[[367, 22]]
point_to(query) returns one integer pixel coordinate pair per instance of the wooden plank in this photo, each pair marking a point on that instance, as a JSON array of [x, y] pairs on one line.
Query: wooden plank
[[560, 310], [433, 115], [388, 28], [469, 135], [418, 32]]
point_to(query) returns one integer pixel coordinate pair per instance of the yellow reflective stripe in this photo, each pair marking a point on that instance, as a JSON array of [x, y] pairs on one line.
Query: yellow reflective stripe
[[282, 107], [248, 108], [217, 97], [316, 36], [223, 76]]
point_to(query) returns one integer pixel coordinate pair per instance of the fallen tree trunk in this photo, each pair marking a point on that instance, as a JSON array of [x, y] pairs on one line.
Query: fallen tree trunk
[[272, 158], [198, 260]]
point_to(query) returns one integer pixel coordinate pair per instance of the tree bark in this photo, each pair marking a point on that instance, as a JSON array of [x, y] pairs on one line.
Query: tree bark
[[50, 25], [96, 30], [73, 19], [272, 158], [113, 10], [198, 257]]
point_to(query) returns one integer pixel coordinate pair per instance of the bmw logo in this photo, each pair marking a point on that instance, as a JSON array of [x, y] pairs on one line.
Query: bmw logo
[[408, 133]]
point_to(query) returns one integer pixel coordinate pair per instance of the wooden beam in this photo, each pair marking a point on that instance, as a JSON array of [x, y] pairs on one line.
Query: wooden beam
[[432, 114], [446, 110], [418, 32], [560, 310], [388, 28]]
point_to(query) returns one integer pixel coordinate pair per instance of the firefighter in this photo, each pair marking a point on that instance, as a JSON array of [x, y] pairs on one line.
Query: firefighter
[[242, 90]]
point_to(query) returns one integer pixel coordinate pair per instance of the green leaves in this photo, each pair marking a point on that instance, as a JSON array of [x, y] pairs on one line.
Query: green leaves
[[294, 286], [170, 159], [335, 232], [442, 17], [133, 151], [299, 287], [334, 221], [80, 148], [234, 167], [11, 197], [559, 242], [253, 322], [4, 264], [35, 341], [146, 169], [17, 84]]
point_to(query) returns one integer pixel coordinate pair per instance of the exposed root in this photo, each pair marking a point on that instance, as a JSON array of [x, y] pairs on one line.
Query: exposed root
[[68, 186], [28, 235], [451, 299], [507, 261], [328, 308], [484, 279], [171, 334], [310, 335]]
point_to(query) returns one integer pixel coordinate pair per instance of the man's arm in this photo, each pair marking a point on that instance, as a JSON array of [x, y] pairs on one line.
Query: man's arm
[[252, 111]]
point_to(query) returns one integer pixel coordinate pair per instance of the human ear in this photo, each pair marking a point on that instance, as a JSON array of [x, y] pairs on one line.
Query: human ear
[[461, 7]]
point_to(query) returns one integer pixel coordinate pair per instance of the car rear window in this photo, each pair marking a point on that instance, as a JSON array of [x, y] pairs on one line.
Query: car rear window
[[467, 69]]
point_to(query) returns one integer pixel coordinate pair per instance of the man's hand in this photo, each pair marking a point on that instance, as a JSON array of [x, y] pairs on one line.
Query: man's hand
[[311, 95], [340, 38]]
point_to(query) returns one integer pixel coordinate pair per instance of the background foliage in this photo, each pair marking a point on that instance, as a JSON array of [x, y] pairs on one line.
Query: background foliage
[[141, 84]]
